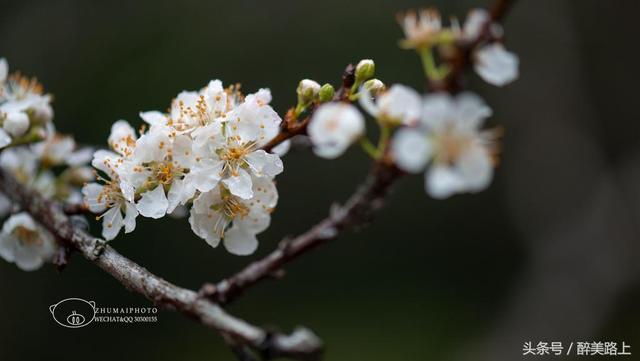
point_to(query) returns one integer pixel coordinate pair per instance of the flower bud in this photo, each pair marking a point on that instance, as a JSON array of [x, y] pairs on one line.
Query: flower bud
[[307, 91], [374, 86], [16, 123], [326, 93], [365, 70]]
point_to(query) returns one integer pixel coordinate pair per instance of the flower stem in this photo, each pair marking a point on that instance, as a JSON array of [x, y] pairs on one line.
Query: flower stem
[[431, 69], [369, 148]]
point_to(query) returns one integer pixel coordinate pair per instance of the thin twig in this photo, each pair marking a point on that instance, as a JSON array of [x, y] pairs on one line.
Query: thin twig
[[356, 211], [361, 205], [291, 126], [301, 344]]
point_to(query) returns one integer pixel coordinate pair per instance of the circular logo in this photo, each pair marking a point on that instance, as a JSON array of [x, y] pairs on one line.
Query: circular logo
[[73, 312]]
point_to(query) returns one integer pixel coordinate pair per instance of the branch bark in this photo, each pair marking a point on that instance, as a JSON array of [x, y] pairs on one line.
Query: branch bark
[[301, 344], [358, 210]]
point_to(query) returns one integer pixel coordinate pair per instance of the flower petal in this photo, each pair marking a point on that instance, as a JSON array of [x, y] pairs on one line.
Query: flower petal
[[240, 185], [92, 197], [111, 223], [496, 65], [153, 203], [411, 149], [240, 242], [5, 139], [264, 164], [130, 217]]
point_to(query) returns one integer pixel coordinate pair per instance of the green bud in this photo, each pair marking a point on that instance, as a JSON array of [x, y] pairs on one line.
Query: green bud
[[365, 70], [326, 93]]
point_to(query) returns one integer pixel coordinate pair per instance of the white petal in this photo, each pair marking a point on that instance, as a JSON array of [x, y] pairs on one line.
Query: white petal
[[206, 175], [153, 145], [476, 19], [437, 110], [27, 258], [240, 242], [106, 161], [182, 152], [204, 226], [4, 69], [239, 185], [92, 198], [471, 110], [442, 182], [153, 203], [122, 137], [181, 191], [8, 247], [16, 123], [5, 139], [80, 157], [476, 168], [130, 217], [401, 104], [366, 102], [282, 148], [411, 149], [496, 65], [111, 223], [153, 117], [264, 164]]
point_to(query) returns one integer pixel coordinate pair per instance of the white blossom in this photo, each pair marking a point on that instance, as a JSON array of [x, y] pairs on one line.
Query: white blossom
[[22, 103], [156, 171], [228, 150], [107, 198], [495, 64], [26, 243], [219, 215], [421, 29], [59, 149], [334, 127], [451, 138], [399, 105]]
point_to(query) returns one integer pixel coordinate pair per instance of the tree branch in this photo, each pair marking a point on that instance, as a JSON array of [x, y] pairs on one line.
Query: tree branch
[[369, 197], [290, 126], [301, 344], [357, 211]]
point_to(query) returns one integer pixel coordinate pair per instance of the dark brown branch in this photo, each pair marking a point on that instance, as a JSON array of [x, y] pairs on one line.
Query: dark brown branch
[[291, 126], [301, 344], [357, 211]]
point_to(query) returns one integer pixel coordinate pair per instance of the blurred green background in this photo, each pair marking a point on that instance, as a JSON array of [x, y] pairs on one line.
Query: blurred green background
[[548, 253]]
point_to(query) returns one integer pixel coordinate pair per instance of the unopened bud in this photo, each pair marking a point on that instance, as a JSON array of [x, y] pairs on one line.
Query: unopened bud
[[374, 86], [326, 93], [365, 70], [307, 91]]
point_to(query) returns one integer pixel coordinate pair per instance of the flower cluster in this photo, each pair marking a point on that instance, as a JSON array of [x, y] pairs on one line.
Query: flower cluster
[[25, 112], [56, 168], [40, 158], [492, 62], [205, 152], [439, 134]]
